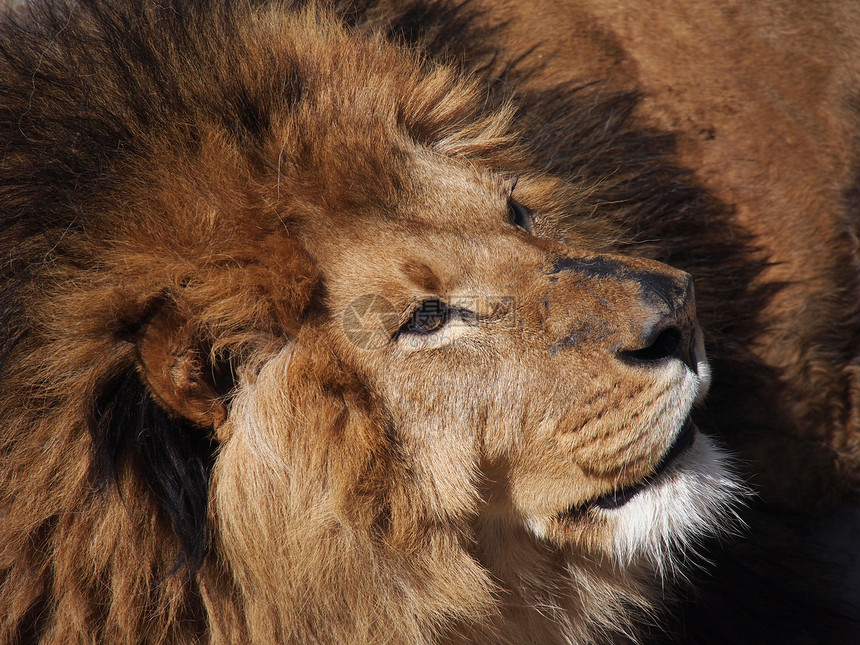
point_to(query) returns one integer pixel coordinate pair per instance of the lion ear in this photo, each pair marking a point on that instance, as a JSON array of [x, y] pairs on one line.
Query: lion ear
[[178, 371]]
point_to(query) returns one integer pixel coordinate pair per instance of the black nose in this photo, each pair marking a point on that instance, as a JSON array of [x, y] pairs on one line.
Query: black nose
[[670, 342], [672, 334]]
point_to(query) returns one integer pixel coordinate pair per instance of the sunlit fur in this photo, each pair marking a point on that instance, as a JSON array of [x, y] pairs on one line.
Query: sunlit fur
[[666, 520], [197, 446]]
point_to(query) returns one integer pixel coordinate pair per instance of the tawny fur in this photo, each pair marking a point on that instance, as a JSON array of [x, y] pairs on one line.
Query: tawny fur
[[196, 445]]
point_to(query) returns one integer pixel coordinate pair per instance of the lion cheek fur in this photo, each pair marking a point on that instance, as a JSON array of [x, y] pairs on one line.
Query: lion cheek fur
[[340, 556]]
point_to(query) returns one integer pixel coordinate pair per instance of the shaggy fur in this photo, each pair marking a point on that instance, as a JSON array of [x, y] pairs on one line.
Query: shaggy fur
[[197, 200]]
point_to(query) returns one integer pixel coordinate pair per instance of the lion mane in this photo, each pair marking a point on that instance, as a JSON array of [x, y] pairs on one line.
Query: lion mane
[[340, 323]]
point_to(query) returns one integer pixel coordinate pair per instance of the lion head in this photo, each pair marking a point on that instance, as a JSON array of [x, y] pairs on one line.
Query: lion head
[[305, 343]]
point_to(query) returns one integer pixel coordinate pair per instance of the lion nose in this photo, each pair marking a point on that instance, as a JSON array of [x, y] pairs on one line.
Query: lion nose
[[641, 311], [670, 333]]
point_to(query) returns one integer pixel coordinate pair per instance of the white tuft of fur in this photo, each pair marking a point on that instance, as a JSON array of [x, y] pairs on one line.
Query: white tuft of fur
[[696, 497], [703, 368]]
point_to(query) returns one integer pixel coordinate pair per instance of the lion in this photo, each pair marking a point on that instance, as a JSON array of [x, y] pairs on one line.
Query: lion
[[355, 323]]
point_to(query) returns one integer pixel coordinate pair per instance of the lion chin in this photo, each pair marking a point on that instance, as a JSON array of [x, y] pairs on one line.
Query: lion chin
[[665, 516], [315, 331]]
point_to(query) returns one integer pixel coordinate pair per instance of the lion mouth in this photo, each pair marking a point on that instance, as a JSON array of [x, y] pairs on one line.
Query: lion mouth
[[618, 498]]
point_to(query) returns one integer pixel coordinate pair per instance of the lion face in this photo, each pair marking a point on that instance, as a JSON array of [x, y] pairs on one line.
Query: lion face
[[505, 380]]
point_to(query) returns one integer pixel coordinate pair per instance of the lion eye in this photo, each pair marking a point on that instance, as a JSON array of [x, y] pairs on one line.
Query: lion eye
[[430, 316], [520, 215]]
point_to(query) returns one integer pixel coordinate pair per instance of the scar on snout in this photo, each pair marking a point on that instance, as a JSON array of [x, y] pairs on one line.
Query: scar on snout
[[570, 341], [602, 300]]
